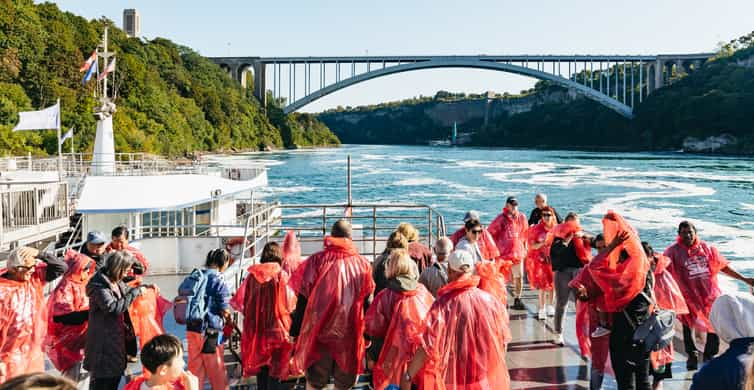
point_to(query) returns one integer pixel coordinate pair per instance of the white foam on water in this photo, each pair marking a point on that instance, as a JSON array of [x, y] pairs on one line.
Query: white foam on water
[[273, 191], [421, 181]]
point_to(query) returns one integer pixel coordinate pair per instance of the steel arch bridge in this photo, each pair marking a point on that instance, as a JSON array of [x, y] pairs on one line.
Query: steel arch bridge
[[618, 82]]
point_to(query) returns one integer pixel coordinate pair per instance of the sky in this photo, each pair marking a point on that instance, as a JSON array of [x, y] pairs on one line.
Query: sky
[[406, 27]]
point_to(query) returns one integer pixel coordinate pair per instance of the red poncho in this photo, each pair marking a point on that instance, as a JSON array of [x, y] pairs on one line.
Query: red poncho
[[65, 344], [23, 325], [335, 281], [147, 312], [491, 279], [398, 318], [135, 252], [266, 303], [538, 267], [486, 243], [509, 233], [620, 282], [587, 319], [291, 253], [695, 269], [464, 339]]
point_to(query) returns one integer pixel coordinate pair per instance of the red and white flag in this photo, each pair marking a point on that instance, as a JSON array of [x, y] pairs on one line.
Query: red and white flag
[[89, 61], [110, 68]]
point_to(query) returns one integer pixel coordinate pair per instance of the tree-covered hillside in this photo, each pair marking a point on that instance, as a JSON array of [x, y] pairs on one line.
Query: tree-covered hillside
[[171, 100]]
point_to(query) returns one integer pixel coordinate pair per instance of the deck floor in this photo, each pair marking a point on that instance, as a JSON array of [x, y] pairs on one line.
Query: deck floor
[[534, 362]]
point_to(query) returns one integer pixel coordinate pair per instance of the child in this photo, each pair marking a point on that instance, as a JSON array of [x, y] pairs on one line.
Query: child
[[162, 357], [205, 349]]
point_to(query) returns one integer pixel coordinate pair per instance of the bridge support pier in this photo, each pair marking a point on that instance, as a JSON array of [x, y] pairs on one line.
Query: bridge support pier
[[659, 74], [260, 83]]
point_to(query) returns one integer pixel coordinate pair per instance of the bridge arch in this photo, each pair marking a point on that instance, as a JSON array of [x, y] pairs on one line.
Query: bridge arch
[[590, 93]]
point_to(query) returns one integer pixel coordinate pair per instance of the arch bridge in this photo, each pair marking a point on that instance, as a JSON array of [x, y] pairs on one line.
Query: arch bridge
[[618, 82]]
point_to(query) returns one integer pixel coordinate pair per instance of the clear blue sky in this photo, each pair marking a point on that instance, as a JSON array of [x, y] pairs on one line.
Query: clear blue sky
[[406, 27]]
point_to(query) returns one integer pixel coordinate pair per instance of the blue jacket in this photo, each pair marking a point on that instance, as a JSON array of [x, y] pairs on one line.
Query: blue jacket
[[217, 300], [727, 371]]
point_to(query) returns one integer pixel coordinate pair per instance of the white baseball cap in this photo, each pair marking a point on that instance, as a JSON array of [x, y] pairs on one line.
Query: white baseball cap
[[458, 259]]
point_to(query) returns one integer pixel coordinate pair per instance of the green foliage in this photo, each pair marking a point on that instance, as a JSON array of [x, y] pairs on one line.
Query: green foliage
[[171, 100]]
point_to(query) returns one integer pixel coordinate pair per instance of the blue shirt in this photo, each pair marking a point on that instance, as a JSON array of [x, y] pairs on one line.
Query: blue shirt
[[217, 300], [727, 371]]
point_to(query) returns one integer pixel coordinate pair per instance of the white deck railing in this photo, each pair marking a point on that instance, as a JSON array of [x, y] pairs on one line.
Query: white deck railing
[[31, 212]]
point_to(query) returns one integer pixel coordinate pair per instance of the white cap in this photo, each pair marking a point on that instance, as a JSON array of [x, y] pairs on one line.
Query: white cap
[[458, 259]]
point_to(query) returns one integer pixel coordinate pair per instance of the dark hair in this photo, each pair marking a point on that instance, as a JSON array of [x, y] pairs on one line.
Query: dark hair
[[687, 225], [341, 229], [648, 250], [571, 216], [38, 380], [160, 350], [598, 237], [217, 258], [272, 253], [120, 231], [472, 223], [623, 255], [117, 265]]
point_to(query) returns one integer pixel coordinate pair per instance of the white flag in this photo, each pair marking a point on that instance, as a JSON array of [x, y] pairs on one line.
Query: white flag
[[49, 118], [68, 134]]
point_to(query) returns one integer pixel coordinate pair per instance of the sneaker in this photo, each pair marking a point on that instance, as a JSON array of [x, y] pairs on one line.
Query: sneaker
[[518, 305], [693, 361], [542, 315], [550, 310], [600, 332], [558, 340]]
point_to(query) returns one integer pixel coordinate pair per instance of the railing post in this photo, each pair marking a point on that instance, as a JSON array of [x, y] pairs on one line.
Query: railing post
[[429, 227], [374, 233], [35, 205], [324, 221], [2, 222]]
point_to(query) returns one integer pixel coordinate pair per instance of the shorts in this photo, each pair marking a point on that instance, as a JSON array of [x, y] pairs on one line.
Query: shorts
[[517, 270], [318, 374]]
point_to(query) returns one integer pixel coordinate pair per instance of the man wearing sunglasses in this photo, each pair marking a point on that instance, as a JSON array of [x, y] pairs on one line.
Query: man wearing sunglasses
[[22, 310], [509, 230]]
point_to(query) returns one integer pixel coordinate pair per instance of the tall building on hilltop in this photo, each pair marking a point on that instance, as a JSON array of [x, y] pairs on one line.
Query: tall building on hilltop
[[132, 23]]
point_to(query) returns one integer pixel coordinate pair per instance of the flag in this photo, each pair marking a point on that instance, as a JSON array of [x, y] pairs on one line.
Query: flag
[[110, 68], [68, 134], [49, 118], [90, 72], [89, 61]]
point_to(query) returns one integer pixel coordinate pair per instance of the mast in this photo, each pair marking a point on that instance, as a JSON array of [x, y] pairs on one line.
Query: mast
[[103, 159]]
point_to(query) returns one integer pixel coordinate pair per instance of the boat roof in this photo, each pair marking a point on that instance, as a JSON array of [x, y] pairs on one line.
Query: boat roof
[[124, 194]]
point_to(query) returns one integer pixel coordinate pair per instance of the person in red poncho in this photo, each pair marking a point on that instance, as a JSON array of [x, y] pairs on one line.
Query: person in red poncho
[[538, 267], [23, 318], [668, 296], [509, 231], [463, 346], [394, 321], [68, 317], [291, 253], [328, 322], [486, 242], [162, 358], [592, 317], [695, 266], [266, 302], [623, 274], [119, 242]]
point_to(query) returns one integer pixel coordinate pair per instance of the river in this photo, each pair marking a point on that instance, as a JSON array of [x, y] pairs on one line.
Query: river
[[654, 191]]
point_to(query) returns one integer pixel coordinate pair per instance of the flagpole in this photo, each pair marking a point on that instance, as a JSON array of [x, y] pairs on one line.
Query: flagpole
[[60, 147]]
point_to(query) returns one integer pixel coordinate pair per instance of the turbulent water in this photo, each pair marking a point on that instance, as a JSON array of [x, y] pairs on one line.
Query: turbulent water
[[654, 191]]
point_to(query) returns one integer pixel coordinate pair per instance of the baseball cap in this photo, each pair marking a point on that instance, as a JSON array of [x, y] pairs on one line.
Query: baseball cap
[[512, 200], [96, 237], [471, 214], [15, 259], [460, 258]]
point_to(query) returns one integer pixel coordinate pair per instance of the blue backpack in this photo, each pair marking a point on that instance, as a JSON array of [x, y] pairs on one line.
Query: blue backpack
[[190, 306]]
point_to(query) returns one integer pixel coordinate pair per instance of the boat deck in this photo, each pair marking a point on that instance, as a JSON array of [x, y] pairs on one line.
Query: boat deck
[[535, 363]]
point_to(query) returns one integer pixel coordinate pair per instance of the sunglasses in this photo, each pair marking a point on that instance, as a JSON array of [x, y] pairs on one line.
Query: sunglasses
[[548, 215], [477, 231]]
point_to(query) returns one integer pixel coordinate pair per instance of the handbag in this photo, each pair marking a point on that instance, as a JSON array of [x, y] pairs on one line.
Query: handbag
[[657, 331]]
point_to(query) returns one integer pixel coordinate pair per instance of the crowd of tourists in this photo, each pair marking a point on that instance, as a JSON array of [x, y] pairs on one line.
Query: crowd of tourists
[[415, 317]]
